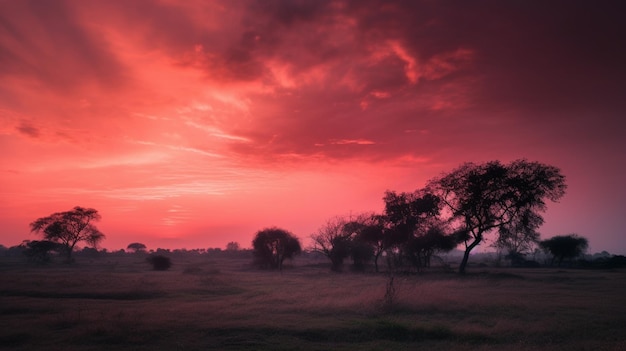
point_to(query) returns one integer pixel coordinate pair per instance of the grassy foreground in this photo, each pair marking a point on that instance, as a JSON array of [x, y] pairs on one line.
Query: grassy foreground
[[225, 305]]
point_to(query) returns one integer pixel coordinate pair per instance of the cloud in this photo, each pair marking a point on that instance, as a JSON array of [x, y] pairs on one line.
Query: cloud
[[353, 141], [28, 129], [282, 77], [49, 43]]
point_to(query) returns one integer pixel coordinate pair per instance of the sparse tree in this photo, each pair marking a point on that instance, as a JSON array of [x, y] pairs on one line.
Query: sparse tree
[[333, 240], [565, 247], [492, 196], [232, 246], [273, 245], [520, 237], [136, 247], [70, 227]]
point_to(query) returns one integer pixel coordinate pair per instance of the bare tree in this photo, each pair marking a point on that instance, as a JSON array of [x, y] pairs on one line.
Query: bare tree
[[333, 240], [70, 227]]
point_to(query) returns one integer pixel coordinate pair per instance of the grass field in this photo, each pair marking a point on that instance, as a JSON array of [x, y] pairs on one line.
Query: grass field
[[224, 304]]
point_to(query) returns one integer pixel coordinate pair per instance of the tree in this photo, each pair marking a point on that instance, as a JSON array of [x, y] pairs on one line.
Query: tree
[[136, 247], [519, 237], [159, 262], [372, 232], [565, 246], [39, 251], [70, 227], [333, 240], [272, 246], [414, 230], [492, 196], [424, 245], [232, 246]]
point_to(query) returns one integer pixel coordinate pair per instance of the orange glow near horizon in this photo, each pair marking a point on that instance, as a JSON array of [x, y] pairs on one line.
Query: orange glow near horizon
[[192, 125]]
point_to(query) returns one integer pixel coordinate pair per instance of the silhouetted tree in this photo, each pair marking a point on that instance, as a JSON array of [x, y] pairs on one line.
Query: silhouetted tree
[[424, 245], [565, 246], [39, 251], [413, 230], [272, 246], [232, 246], [136, 247], [333, 240], [159, 262], [519, 237], [70, 227], [372, 232], [484, 197]]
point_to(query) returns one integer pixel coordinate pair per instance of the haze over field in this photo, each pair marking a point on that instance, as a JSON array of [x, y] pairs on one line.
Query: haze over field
[[197, 123]]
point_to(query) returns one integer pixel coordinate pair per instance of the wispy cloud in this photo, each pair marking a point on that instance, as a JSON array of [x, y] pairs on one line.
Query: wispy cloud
[[216, 132], [179, 148], [353, 141], [28, 129]]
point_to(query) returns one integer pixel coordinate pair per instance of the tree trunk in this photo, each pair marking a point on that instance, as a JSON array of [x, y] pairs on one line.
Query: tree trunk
[[468, 249], [376, 262]]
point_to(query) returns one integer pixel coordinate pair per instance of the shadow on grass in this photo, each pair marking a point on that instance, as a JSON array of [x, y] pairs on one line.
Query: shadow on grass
[[124, 295], [362, 333]]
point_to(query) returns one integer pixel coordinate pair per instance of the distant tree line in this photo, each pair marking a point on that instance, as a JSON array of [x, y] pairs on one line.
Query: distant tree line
[[459, 208]]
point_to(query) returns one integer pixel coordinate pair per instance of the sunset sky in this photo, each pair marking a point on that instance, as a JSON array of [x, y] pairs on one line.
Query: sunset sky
[[189, 124]]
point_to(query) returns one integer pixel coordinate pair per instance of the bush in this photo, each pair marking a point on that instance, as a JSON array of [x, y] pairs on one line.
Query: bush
[[159, 262]]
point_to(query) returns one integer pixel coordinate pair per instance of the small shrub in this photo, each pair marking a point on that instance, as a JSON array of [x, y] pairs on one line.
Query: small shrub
[[159, 262]]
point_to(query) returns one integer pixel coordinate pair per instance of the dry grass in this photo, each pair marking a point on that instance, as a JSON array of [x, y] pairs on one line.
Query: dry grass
[[225, 305]]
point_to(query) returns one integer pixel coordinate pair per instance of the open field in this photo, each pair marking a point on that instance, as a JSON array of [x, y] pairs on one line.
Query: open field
[[223, 304]]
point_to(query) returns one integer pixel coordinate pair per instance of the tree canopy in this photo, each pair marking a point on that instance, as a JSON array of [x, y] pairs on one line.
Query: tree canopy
[[493, 196], [273, 245], [565, 246], [136, 247], [69, 228]]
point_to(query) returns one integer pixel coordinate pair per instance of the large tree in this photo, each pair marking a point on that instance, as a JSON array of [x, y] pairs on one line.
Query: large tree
[[493, 196], [69, 228], [273, 245], [565, 246]]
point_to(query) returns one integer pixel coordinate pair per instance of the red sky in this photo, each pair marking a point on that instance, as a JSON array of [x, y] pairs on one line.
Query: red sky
[[195, 123]]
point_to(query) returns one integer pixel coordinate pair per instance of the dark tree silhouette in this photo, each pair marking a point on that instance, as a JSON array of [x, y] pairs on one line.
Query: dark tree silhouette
[[414, 230], [565, 247], [39, 251], [372, 232], [333, 240], [232, 246], [159, 262], [136, 247], [484, 197], [423, 246], [271, 246], [70, 227], [520, 237]]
